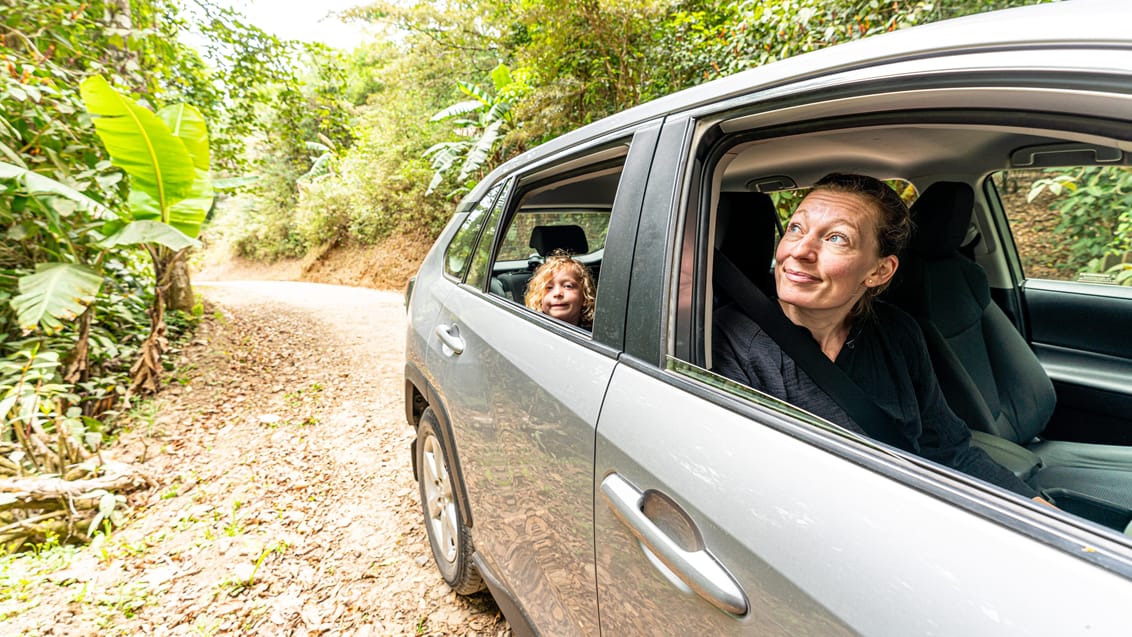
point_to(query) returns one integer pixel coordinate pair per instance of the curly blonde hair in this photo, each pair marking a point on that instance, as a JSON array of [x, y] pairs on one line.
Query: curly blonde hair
[[560, 260]]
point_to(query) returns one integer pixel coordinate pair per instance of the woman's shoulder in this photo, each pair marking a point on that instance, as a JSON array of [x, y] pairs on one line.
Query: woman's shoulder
[[730, 320]]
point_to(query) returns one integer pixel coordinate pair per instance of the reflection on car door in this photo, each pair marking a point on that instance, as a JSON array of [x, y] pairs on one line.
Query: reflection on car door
[[524, 403], [814, 543]]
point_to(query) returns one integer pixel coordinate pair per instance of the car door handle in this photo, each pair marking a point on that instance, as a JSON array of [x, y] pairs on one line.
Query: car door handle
[[449, 335], [697, 568]]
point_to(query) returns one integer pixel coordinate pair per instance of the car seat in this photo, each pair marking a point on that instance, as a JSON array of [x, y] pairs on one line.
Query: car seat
[[987, 371], [544, 240]]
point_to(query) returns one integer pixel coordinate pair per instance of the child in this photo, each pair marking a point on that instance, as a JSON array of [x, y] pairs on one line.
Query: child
[[563, 288]]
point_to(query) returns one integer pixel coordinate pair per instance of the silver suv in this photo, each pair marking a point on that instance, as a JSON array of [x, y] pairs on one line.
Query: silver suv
[[607, 481]]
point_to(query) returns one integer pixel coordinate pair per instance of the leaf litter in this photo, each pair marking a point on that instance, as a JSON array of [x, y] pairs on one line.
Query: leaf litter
[[285, 502]]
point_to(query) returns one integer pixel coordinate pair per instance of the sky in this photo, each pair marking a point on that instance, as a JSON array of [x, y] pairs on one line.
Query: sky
[[305, 20]]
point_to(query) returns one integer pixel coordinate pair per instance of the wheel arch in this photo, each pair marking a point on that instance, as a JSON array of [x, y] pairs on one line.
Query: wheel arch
[[420, 395]]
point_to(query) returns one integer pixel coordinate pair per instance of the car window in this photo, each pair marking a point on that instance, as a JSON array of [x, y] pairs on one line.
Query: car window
[[515, 246], [459, 250], [477, 274], [1071, 224], [564, 214]]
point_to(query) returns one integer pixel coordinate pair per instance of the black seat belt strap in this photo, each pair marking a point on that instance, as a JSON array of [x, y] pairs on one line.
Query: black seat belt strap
[[806, 353]]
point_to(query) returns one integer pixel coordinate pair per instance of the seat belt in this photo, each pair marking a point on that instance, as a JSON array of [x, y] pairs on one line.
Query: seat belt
[[804, 350]]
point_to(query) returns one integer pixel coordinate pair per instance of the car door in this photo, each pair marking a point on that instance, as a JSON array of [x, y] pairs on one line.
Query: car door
[[721, 510], [523, 393]]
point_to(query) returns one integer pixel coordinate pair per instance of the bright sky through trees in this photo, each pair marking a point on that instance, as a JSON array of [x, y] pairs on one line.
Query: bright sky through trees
[[302, 20]]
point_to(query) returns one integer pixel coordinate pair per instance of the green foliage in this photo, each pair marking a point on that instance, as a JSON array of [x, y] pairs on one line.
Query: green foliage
[[1095, 218], [481, 135], [56, 292], [61, 196]]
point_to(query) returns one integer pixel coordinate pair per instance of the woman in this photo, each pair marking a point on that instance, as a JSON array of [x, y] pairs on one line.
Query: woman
[[562, 288], [838, 252]]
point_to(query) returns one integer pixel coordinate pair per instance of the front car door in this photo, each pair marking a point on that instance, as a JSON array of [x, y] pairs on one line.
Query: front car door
[[721, 510]]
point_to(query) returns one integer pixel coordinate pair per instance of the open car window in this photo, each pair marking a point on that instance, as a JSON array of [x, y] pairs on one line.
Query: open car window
[[567, 213], [1070, 223]]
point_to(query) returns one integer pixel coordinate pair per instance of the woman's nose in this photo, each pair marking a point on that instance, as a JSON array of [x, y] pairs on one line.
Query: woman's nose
[[803, 247]]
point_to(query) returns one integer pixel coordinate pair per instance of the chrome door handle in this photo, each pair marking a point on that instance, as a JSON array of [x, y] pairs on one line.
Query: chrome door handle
[[698, 569], [449, 335]]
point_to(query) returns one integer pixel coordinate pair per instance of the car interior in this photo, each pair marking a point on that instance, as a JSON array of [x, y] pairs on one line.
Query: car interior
[[566, 212], [985, 321]]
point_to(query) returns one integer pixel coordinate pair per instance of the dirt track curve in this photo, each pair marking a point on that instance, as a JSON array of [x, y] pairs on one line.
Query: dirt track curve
[[285, 503]]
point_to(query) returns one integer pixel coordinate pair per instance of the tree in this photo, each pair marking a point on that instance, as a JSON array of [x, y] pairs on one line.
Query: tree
[[167, 158]]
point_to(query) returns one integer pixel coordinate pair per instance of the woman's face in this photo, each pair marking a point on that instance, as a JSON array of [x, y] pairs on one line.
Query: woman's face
[[829, 254], [563, 297]]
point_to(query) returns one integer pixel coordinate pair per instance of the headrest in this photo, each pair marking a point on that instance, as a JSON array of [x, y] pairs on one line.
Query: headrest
[[941, 216], [547, 239]]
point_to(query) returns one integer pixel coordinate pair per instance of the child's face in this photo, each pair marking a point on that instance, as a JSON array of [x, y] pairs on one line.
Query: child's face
[[563, 297]]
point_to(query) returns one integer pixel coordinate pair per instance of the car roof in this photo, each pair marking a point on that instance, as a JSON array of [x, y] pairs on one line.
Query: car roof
[[1077, 23]]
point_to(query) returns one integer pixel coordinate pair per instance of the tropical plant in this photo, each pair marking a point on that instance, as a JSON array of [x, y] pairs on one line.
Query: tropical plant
[[481, 133], [166, 156], [1094, 206]]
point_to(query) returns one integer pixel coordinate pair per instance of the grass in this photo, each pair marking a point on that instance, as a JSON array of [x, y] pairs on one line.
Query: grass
[[21, 574]]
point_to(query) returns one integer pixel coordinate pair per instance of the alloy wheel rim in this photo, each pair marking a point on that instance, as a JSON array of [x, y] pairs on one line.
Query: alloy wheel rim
[[440, 508]]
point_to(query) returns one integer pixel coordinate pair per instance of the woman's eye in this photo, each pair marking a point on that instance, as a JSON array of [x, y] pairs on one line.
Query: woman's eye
[[794, 228], [838, 239]]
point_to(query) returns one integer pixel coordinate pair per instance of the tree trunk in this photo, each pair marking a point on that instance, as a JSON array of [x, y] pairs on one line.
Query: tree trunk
[[146, 372], [78, 363], [180, 287]]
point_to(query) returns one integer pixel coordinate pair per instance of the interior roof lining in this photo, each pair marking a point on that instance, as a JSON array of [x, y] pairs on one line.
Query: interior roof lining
[[905, 150]]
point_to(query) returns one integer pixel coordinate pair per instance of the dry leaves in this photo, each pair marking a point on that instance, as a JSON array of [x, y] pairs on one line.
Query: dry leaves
[[286, 503]]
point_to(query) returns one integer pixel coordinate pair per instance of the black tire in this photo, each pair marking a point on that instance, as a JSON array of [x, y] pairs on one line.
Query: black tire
[[449, 538]]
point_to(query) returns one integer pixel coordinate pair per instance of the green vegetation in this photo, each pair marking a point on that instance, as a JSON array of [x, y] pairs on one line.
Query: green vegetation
[[96, 174]]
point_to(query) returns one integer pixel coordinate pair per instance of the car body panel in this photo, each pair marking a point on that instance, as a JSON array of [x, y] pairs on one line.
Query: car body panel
[[821, 546], [527, 411]]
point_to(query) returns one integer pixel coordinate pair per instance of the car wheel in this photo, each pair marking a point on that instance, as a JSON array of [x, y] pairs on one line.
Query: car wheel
[[450, 540]]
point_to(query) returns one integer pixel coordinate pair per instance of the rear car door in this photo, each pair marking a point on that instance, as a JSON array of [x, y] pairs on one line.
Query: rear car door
[[523, 390]]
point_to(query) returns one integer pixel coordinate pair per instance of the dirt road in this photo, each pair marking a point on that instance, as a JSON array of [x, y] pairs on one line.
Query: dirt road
[[284, 501]]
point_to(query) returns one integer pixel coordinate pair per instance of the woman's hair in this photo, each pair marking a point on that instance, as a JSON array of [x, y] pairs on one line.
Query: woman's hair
[[561, 260], [893, 220]]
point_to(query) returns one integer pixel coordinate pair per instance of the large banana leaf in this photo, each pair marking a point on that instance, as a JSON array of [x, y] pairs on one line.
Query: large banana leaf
[[36, 184], [187, 215], [187, 124], [56, 291], [149, 231], [139, 142]]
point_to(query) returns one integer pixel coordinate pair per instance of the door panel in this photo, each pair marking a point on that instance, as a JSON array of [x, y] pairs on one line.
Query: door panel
[[523, 398], [1080, 333], [818, 545]]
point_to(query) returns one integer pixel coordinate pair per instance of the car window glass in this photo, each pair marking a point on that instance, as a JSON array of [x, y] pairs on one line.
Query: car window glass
[[1071, 224], [464, 241], [477, 273], [515, 246]]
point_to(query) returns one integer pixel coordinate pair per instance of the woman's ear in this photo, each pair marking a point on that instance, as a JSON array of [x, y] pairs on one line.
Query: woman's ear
[[883, 271]]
